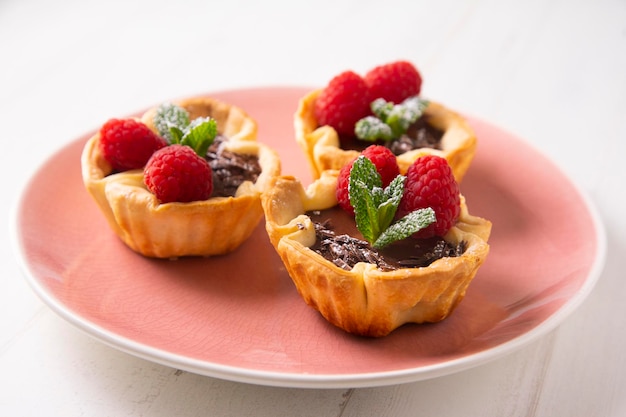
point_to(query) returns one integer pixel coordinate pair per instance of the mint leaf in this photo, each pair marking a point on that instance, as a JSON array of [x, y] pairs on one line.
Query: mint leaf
[[176, 135], [391, 120], [381, 108], [403, 115], [364, 170], [365, 213], [169, 115], [172, 123], [415, 105], [374, 207], [390, 202], [406, 226], [395, 189], [200, 134], [364, 178], [372, 129]]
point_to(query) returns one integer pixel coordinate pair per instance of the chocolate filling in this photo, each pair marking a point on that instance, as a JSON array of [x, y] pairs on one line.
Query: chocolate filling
[[230, 169], [337, 242], [420, 134]]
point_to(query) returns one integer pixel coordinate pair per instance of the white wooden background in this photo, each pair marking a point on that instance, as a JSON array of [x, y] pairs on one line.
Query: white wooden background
[[552, 72]]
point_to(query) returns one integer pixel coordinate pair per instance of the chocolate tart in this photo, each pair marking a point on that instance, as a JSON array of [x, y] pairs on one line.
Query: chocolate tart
[[321, 144], [201, 228], [367, 300]]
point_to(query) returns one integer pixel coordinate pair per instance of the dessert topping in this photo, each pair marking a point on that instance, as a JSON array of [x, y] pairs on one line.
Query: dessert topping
[[375, 207], [430, 183], [177, 173], [181, 172], [426, 201], [383, 90], [168, 115], [386, 165], [336, 243], [173, 123], [391, 120], [179, 162], [394, 81], [346, 251], [376, 199], [128, 144], [343, 102]]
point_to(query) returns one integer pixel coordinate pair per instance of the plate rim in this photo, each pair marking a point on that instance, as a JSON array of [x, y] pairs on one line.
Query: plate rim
[[309, 380]]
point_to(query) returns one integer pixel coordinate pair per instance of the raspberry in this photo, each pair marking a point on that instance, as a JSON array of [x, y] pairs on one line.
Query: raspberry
[[386, 165], [394, 82], [342, 103], [128, 144], [177, 173], [430, 183], [343, 180], [385, 162]]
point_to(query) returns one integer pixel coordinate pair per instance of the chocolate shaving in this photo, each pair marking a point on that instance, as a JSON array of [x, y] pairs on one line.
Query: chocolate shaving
[[442, 249], [346, 251]]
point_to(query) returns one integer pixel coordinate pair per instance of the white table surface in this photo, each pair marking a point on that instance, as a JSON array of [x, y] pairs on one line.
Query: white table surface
[[551, 72]]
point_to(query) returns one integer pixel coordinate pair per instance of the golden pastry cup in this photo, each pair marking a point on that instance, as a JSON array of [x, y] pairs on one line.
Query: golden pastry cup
[[366, 300], [320, 144], [201, 228]]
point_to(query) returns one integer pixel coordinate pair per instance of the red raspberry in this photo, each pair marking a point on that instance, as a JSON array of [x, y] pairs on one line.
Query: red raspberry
[[385, 162], [386, 165], [128, 144], [342, 103], [343, 180], [177, 173], [394, 82], [430, 183]]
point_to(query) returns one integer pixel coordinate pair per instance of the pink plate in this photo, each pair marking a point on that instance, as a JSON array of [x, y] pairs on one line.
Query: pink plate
[[239, 317]]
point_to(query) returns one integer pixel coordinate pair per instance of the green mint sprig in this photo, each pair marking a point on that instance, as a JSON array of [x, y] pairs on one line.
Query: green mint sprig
[[375, 207], [168, 115], [371, 129], [198, 135], [391, 120], [173, 124]]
